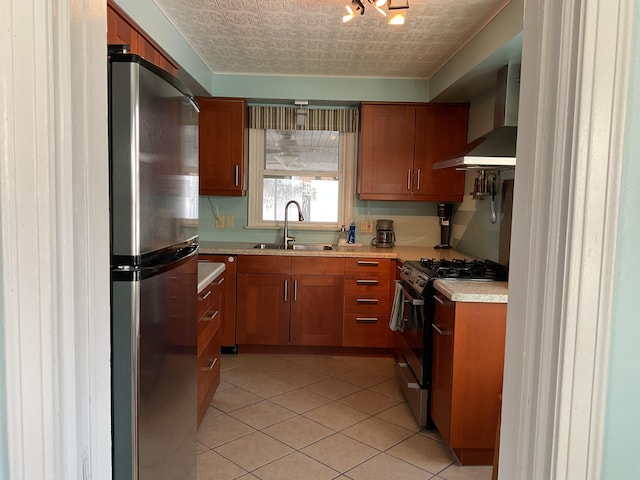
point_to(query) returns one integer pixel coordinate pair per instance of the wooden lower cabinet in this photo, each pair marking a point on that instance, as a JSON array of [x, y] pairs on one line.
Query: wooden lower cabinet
[[289, 300], [210, 313], [228, 320], [367, 302], [468, 361]]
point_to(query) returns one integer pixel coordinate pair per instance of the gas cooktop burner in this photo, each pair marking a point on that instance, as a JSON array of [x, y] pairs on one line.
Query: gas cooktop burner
[[462, 269]]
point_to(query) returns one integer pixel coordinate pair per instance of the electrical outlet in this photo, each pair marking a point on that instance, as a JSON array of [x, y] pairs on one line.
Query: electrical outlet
[[229, 221], [366, 227], [474, 231], [219, 221]]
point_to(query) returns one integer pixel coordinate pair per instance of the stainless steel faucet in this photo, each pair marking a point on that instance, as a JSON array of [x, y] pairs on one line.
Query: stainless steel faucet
[[287, 239]]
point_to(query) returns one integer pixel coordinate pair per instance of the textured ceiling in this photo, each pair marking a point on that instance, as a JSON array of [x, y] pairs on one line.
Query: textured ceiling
[[307, 37]]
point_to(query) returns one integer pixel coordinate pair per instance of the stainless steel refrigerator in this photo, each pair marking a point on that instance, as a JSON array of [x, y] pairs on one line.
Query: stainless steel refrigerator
[[153, 128]]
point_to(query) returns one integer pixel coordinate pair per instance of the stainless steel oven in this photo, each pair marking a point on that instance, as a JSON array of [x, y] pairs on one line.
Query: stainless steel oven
[[412, 348], [413, 308]]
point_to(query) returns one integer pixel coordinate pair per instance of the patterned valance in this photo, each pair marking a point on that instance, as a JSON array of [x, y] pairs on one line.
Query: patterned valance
[[295, 118]]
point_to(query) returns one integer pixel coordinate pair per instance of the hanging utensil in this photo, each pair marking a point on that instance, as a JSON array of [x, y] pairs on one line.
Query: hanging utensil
[[493, 200]]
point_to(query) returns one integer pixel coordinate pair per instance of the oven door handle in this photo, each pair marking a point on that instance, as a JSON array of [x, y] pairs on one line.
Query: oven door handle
[[412, 300], [440, 331]]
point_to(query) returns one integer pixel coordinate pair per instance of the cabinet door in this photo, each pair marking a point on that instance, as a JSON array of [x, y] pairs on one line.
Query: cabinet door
[[441, 131], [442, 369], [119, 31], [263, 309], [386, 151], [223, 138], [316, 310]]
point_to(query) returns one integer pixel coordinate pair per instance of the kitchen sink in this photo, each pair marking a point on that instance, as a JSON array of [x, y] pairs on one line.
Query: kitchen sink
[[268, 246], [294, 246], [310, 246]]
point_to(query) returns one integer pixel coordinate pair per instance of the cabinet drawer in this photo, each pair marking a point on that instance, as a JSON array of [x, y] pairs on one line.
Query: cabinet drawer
[[208, 374], [367, 303], [366, 330], [366, 285], [276, 264], [368, 265], [317, 266], [210, 294], [208, 325]]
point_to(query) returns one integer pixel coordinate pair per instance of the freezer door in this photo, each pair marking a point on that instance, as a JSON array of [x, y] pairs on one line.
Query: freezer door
[[153, 160], [154, 378]]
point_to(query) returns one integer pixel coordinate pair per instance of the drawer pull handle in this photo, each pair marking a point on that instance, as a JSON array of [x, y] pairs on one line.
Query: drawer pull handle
[[438, 299], [373, 301], [368, 263], [213, 315], [206, 295], [209, 367], [219, 282], [286, 292], [236, 175], [366, 320], [366, 282], [440, 332]]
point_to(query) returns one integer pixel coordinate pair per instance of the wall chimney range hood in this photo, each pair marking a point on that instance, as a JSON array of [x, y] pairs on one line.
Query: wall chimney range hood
[[497, 149]]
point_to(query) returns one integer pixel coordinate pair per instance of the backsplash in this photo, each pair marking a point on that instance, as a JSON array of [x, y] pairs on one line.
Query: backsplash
[[415, 223]]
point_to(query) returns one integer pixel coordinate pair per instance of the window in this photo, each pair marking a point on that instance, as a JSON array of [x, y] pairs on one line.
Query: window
[[314, 167]]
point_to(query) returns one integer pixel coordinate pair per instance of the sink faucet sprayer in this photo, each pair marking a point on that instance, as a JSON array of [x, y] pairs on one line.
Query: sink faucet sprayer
[[287, 238]]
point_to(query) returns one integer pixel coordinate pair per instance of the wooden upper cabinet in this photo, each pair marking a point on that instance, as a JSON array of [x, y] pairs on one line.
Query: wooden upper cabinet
[[121, 30], [386, 150], [223, 141], [441, 131], [399, 143]]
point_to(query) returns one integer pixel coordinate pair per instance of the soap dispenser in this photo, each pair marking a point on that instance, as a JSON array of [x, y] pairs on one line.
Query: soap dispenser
[[342, 236]]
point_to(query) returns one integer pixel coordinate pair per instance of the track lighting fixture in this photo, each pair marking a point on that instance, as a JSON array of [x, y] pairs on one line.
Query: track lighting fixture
[[358, 6]]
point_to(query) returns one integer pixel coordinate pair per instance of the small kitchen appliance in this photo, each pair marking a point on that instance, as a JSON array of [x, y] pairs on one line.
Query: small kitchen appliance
[[385, 236], [444, 214], [414, 305]]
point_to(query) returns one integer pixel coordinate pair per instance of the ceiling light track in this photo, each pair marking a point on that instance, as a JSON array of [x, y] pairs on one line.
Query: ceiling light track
[[397, 10]]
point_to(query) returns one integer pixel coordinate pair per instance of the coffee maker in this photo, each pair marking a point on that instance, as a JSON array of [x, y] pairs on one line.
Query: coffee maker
[[385, 236], [444, 213]]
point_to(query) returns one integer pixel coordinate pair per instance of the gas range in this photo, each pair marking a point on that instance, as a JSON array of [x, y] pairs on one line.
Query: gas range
[[418, 274]]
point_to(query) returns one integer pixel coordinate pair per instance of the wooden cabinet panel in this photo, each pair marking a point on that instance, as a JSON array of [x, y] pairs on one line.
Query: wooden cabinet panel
[[121, 30], [223, 146], [442, 375], [468, 364], [228, 322], [208, 374], [367, 302], [441, 131], [386, 143], [276, 307], [399, 143], [263, 309], [317, 266], [316, 310], [210, 314]]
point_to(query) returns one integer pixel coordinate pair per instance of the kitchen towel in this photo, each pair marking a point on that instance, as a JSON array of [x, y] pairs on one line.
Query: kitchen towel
[[395, 321]]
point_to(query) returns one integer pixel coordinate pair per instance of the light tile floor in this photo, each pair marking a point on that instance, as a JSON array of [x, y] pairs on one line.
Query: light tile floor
[[280, 417]]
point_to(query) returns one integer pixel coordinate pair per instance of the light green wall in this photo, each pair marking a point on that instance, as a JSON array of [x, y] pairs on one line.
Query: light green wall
[[620, 459], [153, 21], [321, 88]]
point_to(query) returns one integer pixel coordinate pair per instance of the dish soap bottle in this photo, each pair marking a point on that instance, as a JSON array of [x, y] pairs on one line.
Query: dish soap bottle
[[352, 233], [342, 236]]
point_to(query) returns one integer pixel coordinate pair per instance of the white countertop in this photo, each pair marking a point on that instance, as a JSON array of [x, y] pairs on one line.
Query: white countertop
[[208, 272], [473, 291]]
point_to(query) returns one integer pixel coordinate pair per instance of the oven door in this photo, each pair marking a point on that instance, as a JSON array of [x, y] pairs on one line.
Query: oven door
[[411, 338]]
